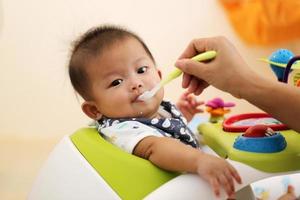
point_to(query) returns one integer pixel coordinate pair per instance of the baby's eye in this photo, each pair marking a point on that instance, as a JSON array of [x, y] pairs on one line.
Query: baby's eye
[[142, 70], [116, 82]]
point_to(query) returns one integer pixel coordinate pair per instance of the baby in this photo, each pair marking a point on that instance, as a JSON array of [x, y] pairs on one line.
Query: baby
[[110, 67]]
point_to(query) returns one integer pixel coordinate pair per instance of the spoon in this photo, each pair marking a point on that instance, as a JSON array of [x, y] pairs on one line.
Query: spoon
[[174, 74]]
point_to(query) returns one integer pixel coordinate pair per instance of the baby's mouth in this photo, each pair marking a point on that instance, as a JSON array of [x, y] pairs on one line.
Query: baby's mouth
[[136, 98]]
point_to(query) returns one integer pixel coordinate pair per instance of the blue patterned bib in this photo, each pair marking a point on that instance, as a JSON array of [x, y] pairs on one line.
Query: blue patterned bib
[[175, 126]]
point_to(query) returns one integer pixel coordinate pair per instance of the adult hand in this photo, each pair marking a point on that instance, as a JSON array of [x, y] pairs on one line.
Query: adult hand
[[227, 71]]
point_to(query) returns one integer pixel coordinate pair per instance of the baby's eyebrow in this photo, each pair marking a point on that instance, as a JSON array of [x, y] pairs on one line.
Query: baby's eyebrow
[[140, 59], [109, 73]]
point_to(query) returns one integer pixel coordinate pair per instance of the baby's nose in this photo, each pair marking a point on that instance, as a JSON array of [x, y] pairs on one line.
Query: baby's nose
[[136, 86]]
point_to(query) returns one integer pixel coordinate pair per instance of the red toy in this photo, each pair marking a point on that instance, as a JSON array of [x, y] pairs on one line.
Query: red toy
[[259, 130]]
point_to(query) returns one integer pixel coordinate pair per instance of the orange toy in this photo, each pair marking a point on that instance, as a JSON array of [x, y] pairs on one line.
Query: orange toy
[[264, 22]]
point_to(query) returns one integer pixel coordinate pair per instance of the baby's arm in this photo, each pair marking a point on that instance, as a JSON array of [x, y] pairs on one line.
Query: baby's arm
[[171, 154]]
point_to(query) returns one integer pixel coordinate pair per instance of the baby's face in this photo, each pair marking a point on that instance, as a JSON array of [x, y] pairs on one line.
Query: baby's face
[[119, 75]]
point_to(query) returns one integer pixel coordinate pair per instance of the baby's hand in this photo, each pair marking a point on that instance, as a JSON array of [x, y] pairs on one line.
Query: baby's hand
[[290, 194], [189, 105], [218, 172]]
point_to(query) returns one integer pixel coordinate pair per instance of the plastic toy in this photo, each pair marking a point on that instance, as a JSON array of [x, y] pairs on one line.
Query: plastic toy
[[222, 142], [260, 138], [259, 130], [280, 56], [174, 74], [241, 122], [282, 63], [297, 81], [217, 109]]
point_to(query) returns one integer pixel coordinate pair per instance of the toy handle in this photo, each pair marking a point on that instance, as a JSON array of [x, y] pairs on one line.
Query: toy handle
[[288, 68]]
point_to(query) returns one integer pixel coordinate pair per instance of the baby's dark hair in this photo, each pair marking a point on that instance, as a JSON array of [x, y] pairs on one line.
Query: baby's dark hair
[[90, 45]]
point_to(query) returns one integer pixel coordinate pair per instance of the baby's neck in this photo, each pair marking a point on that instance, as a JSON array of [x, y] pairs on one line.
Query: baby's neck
[[154, 115], [160, 113]]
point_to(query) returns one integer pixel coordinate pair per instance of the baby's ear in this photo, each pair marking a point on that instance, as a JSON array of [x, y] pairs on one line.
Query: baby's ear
[[159, 73], [91, 110]]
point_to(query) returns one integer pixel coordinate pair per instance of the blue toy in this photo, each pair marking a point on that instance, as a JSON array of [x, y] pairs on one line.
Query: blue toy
[[272, 144], [261, 139], [280, 56], [282, 62]]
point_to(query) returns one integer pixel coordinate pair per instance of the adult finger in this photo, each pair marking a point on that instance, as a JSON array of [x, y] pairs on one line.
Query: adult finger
[[192, 67], [186, 79], [202, 85], [193, 85], [197, 46]]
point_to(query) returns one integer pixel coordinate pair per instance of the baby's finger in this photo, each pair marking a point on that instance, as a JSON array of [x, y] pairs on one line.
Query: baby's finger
[[291, 189], [199, 106], [193, 102], [235, 174], [192, 109], [229, 179], [199, 103], [191, 99], [188, 114], [225, 184], [198, 110], [215, 185], [183, 103], [185, 94]]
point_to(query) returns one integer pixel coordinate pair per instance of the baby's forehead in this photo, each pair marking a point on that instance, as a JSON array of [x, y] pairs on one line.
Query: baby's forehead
[[118, 56]]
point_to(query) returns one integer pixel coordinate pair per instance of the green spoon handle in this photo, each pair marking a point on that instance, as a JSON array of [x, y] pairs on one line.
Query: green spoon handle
[[208, 55]]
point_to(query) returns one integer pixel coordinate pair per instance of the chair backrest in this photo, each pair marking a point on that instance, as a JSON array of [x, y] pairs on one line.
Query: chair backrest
[[129, 176]]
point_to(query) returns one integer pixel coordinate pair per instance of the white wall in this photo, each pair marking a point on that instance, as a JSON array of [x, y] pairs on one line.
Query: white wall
[[35, 36]]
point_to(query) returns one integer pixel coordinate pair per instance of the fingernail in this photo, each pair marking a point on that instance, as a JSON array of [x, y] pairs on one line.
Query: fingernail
[[179, 63]]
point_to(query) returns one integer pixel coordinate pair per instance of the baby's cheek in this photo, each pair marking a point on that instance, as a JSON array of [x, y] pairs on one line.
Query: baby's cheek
[[161, 94]]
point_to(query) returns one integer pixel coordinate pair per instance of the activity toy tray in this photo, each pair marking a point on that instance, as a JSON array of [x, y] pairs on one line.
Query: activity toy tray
[[222, 143]]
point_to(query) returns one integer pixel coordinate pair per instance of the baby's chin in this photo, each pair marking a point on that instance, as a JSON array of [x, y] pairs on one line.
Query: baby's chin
[[146, 111], [149, 115]]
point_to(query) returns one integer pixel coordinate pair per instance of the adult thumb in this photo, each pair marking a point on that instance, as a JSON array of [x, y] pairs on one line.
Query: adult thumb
[[191, 67]]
